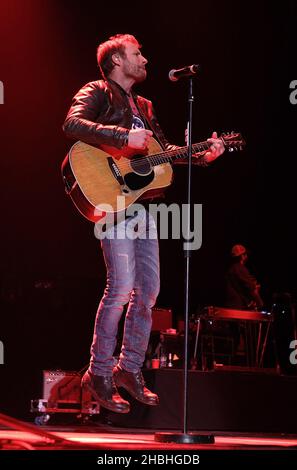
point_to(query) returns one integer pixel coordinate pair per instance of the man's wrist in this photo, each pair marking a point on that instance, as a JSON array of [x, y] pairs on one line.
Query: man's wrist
[[126, 140]]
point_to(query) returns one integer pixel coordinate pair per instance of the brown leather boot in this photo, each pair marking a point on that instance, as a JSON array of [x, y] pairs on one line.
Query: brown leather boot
[[105, 392], [135, 385]]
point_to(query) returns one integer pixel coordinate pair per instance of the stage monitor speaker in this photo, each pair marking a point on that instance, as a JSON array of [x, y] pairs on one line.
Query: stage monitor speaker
[[162, 319], [61, 385], [62, 394]]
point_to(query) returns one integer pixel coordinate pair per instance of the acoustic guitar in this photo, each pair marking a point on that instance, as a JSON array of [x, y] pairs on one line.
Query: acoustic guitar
[[96, 179]]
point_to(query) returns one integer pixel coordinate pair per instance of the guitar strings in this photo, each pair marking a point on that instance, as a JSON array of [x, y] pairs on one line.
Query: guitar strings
[[179, 152], [160, 158], [137, 161]]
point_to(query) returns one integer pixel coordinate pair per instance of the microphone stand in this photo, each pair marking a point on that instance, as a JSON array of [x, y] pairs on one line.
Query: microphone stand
[[184, 437]]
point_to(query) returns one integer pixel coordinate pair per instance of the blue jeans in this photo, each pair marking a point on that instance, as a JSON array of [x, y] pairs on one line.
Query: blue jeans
[[132, 277]]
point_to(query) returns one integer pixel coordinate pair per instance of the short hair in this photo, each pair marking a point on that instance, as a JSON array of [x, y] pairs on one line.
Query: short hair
[[115, 44]]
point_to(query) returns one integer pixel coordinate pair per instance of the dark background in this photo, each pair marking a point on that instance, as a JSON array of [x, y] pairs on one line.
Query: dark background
[[52, 272]]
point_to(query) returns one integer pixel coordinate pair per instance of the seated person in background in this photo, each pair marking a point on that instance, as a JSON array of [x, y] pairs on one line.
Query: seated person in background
[[242, 289]]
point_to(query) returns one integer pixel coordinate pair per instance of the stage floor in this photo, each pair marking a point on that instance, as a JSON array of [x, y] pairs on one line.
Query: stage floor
[[111, 438]]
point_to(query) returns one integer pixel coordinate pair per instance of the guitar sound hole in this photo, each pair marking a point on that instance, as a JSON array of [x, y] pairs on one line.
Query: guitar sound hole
[[135, 182]]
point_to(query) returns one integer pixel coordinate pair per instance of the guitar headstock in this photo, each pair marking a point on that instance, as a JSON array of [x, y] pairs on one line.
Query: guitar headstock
[[233, 141]]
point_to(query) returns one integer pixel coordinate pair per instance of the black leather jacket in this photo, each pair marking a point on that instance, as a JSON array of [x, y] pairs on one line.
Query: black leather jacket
[[101, 114]]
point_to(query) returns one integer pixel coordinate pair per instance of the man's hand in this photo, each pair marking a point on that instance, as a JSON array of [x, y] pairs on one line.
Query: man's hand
[[215, 150], [139, 138]]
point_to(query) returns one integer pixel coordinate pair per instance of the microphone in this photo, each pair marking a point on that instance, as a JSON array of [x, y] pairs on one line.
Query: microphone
[[188, 71]]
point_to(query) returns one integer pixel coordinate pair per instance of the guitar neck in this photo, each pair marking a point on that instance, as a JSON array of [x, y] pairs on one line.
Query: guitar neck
[[178, 153]]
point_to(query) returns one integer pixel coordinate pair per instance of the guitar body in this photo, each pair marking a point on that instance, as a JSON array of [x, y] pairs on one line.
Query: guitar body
[[94, 178], [107, 180]]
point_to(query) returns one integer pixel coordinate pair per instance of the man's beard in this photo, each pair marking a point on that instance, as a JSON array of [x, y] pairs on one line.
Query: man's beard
[[140, 77], [137, 73]]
